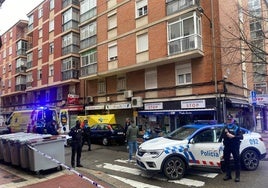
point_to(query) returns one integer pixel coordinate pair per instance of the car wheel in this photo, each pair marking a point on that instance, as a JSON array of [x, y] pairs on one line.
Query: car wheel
[[250, 160], [174, 168], [105, 141]]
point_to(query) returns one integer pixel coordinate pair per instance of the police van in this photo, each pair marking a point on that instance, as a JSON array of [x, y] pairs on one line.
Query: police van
[[196, 145]]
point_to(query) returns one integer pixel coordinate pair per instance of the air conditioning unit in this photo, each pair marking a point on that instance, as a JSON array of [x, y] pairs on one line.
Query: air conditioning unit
[[136, 102], [128, 94], [89, 99]]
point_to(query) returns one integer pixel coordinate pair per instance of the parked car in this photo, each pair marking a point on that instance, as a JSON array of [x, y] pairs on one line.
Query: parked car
[[196, 145], [107, 133]]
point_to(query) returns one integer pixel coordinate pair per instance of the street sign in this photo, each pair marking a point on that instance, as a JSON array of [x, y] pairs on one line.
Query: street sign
[[253, 98]]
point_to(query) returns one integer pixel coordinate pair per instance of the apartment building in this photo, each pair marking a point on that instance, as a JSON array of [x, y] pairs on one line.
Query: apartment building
[[48, 72], [164, 62]]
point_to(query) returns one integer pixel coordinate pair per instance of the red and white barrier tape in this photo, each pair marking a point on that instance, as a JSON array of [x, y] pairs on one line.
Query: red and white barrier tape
[[66, 167]]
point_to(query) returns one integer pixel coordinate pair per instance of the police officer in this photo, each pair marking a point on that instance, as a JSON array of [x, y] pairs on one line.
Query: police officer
[[76, 134], [231, 139], [86, 135]]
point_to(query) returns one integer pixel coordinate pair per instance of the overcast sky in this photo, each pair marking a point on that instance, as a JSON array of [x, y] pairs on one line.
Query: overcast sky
[[12, 11]]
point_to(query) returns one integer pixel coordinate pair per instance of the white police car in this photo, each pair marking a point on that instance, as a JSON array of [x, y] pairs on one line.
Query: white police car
[[196, 145]]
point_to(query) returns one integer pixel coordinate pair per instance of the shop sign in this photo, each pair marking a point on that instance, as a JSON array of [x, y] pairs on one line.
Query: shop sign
[[261, 99], [193, 104], [153, 106], [118, 106], [96, 107], [73, 99]]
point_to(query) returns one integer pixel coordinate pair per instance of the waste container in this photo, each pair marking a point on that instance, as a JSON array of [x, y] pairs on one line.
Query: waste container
[[5, 145], [23, 148], [53, 147], [13, 145]]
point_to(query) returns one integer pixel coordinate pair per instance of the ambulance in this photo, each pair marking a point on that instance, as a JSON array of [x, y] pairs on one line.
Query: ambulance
[[31, 120]]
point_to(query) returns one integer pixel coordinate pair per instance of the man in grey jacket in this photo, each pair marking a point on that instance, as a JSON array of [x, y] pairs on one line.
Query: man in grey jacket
[[132, 135]]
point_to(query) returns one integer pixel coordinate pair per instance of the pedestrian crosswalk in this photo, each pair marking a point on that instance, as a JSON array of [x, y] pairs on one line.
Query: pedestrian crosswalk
[[124, 166]]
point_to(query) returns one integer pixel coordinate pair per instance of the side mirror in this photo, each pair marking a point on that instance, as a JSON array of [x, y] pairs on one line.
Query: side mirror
[[191, 141]]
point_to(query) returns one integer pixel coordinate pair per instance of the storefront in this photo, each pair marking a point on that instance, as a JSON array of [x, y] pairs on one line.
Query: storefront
[[170, 115]]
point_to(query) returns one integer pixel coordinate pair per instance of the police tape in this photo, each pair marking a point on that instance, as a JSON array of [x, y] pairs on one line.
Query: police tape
[[66, 167]]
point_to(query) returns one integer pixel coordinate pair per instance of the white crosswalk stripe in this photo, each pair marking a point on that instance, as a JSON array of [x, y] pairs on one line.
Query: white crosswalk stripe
[[138, 172], [134, 183]]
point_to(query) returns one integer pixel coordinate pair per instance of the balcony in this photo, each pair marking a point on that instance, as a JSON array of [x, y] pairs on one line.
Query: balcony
[[192, 42], [174, 6], [88, 42], [70, 49], [70, 74], [21, 87], [21, 69], [66, 3], [89, 70], [72, 24]]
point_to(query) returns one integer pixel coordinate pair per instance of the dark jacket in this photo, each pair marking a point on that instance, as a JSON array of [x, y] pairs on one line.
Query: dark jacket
[[76, 133], [234, 130]]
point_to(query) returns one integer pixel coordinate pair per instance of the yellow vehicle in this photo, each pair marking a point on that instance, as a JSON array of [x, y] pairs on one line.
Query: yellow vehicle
[[95, 119], [32, 120]]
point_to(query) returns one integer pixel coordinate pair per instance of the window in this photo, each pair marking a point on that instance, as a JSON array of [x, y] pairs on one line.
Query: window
[[10, 50], [88, 9], [51, 25], [31, 19], [39, 74], [9, 66], [40, 33], [184, 74], [29, 77], [88, 58], [184, 33], [40, 53], [51, 4], [51, 70], [88, 31], [142, 43], [51, 48], [70, 39], [59, 93], [141, 6], [69, 64], [121, 83], [112, 21], [101, 87], [151, 79], [40, 12], [112, 52]]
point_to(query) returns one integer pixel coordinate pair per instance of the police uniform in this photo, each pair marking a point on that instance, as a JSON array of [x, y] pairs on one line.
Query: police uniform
[[76, 144], [232, 137]]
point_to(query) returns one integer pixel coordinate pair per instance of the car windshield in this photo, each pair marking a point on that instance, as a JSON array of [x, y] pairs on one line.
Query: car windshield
[[181, 133], [117, 127]]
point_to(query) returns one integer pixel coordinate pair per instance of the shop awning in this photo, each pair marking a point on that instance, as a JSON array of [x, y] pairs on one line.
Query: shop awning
[[176, 112], [237, 102]]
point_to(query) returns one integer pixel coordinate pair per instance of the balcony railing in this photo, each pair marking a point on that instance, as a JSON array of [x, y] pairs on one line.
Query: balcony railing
[[21, 69], [174, 6], [88, 42], [21, 87], [70, 49], [70, 74], [185, 44], [89, 70], [66, 3], [72, 24]]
